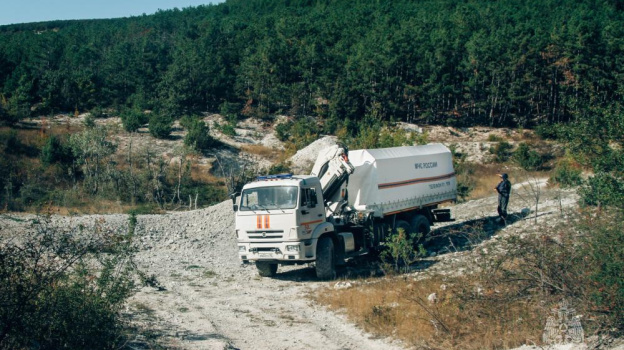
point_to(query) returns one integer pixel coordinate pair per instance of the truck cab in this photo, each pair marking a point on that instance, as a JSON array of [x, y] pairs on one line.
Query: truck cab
[[279, 219]]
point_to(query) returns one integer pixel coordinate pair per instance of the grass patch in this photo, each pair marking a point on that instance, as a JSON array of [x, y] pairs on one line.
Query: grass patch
[[399, 307], [209, 274], [143, 308], [262, 151]]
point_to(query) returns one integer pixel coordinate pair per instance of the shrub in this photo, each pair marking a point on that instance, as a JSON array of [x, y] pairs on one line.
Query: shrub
[[301, 132], [603, 189], [580, 262], [604, 246], [198, 136], [567, 173], [282, 131], [501, 151], [160, 126], [89, 121], [548, 132], [227, 129], [280, 168], [64, 289], [98, 113], [494, 138], [230, 111], [464, 172], [527, 158], [133, 119], [399, 252]]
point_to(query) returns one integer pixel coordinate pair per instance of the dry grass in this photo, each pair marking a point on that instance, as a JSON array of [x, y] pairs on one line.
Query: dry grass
[[262, 151], [398, 307]]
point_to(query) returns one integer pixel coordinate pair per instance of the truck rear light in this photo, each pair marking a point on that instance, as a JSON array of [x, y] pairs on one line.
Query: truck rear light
[[292, 248], [236, 233]]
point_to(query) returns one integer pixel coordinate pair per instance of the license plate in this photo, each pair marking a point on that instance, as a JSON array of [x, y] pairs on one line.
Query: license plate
[[265, 255]]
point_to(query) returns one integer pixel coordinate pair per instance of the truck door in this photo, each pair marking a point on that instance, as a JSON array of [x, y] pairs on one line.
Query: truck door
[[312, 210]]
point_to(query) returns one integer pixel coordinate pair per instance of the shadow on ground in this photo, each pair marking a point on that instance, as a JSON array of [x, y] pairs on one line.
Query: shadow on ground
[[457, 237], [466, 234]]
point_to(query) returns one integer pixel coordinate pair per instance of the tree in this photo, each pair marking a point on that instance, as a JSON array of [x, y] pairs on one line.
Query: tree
[[55, 151], [198, 136], [160, 125], [132, 119], [92, 151]]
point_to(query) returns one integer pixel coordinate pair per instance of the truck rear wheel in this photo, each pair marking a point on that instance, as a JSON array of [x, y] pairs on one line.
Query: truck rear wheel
[[266, 269], [402, 224], [421, 227], [325, 260], [420, 224]]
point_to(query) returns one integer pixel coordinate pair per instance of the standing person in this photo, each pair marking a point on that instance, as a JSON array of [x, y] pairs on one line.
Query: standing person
[[503, 189]]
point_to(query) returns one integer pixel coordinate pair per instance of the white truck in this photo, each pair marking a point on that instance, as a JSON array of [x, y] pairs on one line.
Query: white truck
[[346, 207]]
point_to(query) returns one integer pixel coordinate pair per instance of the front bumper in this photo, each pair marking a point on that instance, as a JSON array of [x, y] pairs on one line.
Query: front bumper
[[296, 251]]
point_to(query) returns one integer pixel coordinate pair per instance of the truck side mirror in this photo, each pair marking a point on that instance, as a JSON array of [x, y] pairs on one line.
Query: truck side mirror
[[234, 205]]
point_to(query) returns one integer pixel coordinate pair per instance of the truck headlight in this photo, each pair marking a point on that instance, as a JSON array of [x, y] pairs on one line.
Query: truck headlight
[[292, 248], [241, 249]]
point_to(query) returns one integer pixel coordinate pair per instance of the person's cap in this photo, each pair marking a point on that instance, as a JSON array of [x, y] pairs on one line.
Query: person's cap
[[503, 175]]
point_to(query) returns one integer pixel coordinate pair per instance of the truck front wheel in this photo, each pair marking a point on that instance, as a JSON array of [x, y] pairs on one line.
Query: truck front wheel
[[266, 269], [325, 259]]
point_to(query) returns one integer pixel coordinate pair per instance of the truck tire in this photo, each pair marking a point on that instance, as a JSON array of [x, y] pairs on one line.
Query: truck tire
[[421, 227], [325, 261], [266, 269], [420, 224], [402, 224]]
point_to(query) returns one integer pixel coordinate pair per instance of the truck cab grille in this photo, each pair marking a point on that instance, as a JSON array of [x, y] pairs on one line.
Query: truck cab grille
[[265, 234]]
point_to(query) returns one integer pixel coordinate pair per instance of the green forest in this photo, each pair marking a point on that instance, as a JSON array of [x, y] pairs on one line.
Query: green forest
[[499, 63]]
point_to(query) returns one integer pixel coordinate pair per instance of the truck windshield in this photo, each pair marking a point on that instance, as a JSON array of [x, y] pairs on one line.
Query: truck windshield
[[265, 198]]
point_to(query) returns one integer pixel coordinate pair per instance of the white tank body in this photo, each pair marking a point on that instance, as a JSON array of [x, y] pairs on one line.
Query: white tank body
[[392, 180]]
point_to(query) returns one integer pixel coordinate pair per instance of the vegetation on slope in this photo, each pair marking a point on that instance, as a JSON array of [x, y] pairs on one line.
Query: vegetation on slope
[[474, 62]]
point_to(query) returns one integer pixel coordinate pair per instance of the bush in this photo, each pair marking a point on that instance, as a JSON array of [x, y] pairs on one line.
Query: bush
[[527, 158], [198, 136], [160, 126], [280, 168], [231, 111], [399, 252], [603, 189], [494, 138], [548, 132], [98, 113], [282, 131], [89, 121], [582, 263], [227, 129], [464, 173], [567, 173], [55, 151], [501, 151], [133, 119], [301, 132], [604, 246], [64, 289]]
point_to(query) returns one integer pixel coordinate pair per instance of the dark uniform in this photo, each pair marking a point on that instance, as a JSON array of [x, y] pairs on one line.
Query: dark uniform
[[503, 189]]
